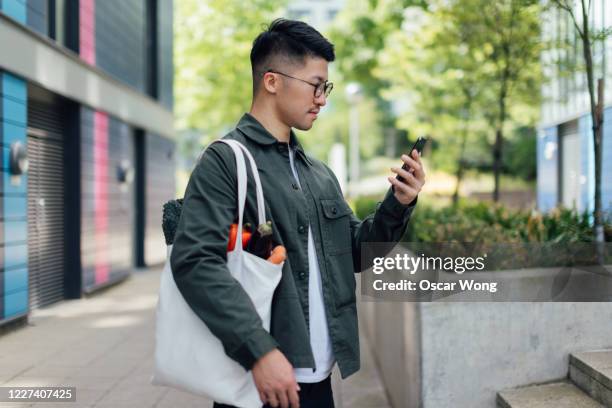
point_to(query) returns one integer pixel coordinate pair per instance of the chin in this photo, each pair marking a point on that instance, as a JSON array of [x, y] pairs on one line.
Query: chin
[[303, 126]]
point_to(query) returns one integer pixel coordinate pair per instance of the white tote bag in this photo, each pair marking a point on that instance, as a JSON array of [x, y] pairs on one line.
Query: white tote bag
[[187, 355]]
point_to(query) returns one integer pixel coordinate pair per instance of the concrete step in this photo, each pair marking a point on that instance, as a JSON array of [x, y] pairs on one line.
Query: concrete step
[[592, 372], [553, 395]]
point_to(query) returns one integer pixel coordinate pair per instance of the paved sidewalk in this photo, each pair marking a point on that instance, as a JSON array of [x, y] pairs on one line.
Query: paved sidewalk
[[103, 345]]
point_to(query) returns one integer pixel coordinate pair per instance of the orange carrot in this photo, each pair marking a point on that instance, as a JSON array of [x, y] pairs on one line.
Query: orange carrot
[[278, 255], [232, 237], [246, 235]]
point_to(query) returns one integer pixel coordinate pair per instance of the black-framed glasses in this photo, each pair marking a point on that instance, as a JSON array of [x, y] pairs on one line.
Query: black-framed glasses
[[320, 88]]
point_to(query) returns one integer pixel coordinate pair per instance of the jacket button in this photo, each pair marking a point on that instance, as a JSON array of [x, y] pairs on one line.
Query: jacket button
[[302, 275], [334, 210], [295, 186], [301, 229]]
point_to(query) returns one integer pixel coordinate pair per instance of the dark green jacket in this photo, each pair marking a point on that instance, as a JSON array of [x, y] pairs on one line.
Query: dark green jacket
[[199, 253]]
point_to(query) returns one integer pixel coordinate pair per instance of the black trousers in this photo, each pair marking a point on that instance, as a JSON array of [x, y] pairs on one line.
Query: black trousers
[[312, 395]]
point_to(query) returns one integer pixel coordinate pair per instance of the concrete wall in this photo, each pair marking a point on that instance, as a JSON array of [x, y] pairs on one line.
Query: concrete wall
[[459, 355], [472, 350], [394, 336]]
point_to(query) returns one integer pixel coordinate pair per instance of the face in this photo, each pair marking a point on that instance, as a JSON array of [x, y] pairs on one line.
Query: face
[[295, 101]]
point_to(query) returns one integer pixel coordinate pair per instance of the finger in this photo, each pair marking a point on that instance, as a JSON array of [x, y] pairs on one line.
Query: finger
[[294, 399], [418, 159], [262, 397], [416, 165], [404, 191], [283, 399], [403, 187], [416, 155], [272, 400], [408, 177], [411, 162]]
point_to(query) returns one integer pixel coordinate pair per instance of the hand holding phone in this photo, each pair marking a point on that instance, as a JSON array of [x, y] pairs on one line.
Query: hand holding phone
[[418, 146]]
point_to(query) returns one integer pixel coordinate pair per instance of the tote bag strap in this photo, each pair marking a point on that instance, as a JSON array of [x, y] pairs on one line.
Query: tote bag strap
[[241, 176]]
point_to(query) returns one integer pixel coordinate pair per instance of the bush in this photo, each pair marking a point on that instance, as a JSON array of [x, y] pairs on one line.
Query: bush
[[475, 228], [488, 222]]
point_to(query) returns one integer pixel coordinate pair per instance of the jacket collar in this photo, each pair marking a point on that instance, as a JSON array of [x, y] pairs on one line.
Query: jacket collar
[[255, 131]]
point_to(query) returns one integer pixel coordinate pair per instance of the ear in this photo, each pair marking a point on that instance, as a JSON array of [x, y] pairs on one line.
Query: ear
[[271, 82]]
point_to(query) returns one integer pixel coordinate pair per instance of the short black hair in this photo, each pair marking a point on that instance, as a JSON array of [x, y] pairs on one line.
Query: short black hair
[[289, 41]]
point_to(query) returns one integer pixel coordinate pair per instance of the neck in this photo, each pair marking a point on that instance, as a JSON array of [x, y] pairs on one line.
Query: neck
[[271, 122]]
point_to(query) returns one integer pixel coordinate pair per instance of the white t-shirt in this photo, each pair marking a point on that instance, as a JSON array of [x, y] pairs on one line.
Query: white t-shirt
[[319, 334]]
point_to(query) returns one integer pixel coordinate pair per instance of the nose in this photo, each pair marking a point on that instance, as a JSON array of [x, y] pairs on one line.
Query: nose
[[321, 100]]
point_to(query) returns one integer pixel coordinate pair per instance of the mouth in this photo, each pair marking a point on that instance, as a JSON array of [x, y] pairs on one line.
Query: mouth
[[313, 113]]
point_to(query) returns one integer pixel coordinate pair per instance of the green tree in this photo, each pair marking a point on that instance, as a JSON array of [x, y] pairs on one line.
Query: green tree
[[452, 66], [438, 74], [213, 71], [360, 33], [507, 32]]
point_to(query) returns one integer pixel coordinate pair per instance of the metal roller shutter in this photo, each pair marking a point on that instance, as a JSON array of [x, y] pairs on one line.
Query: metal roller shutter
[[46, 227], [160, 187]]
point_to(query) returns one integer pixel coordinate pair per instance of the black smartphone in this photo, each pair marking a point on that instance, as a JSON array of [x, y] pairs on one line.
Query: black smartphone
[[418, 145]]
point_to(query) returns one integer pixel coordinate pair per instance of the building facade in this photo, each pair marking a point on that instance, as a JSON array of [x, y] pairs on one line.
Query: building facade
[[565, 155], [87, 138]]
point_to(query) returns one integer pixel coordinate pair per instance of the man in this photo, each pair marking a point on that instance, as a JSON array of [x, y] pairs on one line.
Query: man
[[314, 316]]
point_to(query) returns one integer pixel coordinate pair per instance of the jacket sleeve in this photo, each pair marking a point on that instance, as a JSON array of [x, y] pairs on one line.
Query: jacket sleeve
[[199, 259], [386, 225]]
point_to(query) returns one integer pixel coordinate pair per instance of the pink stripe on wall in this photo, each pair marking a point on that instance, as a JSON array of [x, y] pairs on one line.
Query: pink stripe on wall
[[101, 175], [87, 30]]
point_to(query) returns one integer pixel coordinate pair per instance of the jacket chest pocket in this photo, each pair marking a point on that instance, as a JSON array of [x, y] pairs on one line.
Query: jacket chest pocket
[[336, 226], [338, 250]]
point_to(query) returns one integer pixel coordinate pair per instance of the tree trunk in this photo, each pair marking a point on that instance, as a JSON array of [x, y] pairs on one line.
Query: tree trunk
[[497, 154], [499, 139], [499, 131], [461, 162], [598, 134], [597, 119], [459, 174]]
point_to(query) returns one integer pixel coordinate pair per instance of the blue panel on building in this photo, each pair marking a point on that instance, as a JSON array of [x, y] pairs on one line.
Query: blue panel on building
[[13, 133], [16, 9], [4, 158], [14, 87], [13, 112], [15, 185], [15, 280], [15, 207], [15, 256], [15, 303], [547, 155], [16, 231]]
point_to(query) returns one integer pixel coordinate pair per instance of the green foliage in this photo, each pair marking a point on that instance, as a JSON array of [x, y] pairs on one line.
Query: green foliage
[[520, 159], [360, 34], [213, 40], [484, 222], [454, 63]]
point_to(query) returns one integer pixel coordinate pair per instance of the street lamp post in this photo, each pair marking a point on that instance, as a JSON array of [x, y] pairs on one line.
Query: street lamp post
[[353, 96]]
